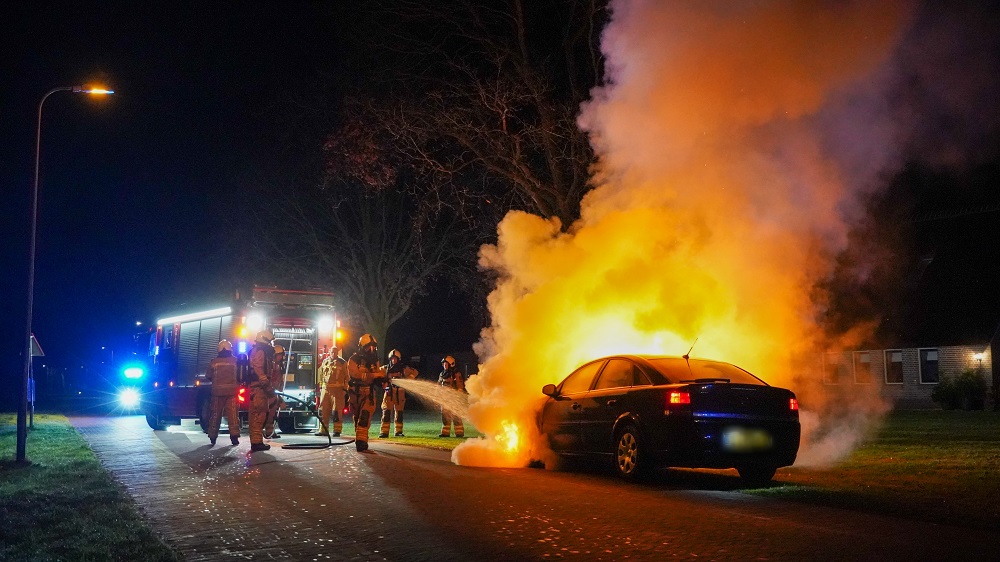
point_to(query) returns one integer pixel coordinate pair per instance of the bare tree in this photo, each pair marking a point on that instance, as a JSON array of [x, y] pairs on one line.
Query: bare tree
[[486, 95], [376, 247], [462, 110]]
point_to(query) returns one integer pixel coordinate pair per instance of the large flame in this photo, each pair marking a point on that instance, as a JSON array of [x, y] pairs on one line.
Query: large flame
[[717, 204]]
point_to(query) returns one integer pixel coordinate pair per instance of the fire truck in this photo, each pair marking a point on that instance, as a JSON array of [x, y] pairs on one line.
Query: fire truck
[[182, 345]]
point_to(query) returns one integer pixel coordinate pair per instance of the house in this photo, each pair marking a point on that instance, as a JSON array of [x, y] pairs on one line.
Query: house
[[906, 376]]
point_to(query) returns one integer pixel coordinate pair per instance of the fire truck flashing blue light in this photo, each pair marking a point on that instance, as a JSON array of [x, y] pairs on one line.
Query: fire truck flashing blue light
[[133, 373], [242, 347]]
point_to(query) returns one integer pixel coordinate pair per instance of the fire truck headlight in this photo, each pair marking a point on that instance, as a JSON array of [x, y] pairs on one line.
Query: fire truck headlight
[[128, 398], [255, 322], [325, 324], [133, 373]]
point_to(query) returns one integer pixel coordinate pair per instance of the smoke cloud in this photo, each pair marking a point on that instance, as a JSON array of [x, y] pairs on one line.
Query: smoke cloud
[[735, 141]]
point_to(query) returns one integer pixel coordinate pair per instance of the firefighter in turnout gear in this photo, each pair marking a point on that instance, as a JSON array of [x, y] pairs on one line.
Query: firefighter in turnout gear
[[222, 373], [364, 376], [451, 378], [277, 376], [395, 397], [261, 364], [333, 376]]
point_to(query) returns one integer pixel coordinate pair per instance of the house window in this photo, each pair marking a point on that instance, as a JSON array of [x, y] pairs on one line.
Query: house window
[[929, 366], [893, 366], [862, 367], [835, 369]]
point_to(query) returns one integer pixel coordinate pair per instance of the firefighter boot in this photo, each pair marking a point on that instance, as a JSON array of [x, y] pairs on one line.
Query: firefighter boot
[[383, 435], [361, 445], [259, 447], [235, 440], [399, 434], [213, 441]]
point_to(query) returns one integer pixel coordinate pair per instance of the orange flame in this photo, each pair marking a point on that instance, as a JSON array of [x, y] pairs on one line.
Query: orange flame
[[508, 436]]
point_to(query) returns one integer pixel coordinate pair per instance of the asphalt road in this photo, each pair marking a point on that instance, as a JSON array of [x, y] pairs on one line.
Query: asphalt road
[[408, 503]]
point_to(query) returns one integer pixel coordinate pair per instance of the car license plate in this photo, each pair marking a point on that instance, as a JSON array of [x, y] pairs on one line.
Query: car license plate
[[746, 440]]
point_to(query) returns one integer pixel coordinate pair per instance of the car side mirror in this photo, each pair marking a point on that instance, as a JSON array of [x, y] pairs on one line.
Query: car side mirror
[[550, 390]]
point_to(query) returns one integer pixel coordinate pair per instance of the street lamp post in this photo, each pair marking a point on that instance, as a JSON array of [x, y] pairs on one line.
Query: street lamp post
[[22, 409]]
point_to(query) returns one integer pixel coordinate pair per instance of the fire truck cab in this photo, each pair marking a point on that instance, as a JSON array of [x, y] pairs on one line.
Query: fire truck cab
[[182, 345]]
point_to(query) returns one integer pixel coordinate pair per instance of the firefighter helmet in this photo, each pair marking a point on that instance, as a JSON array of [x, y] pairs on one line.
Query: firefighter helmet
[[264, 336], [448, 362], [395, 354], [224, 345], [278, 349], [367, 340]]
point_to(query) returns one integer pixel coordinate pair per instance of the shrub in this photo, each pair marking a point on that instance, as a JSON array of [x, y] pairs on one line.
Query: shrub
[[966, 391]]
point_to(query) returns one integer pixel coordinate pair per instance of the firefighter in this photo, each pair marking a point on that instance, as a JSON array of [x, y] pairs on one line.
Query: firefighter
[[364, 376], [451, 377], [274, 402], [222, 373], [395, 397], [261, 364], [334, 376]]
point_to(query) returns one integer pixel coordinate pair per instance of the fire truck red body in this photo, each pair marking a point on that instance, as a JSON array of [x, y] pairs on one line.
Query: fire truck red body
[[303, 322]]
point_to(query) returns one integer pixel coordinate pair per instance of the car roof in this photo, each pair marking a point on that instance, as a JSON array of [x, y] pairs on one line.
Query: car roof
[[647, 357]]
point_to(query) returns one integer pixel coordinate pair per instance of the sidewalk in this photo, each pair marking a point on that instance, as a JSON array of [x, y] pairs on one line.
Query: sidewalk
[[219, 503]]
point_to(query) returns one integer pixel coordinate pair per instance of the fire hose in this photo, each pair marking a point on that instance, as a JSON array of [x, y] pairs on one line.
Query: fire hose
[[312, 409]]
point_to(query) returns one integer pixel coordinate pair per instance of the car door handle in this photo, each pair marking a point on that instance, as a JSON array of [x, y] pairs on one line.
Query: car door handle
[[575, 406], [612, 402]]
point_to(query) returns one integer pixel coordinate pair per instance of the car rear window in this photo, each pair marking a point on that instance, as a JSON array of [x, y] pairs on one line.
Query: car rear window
[[676, 370]]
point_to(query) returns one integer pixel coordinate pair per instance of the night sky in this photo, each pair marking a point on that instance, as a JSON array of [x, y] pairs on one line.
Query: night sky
[[139, 190]]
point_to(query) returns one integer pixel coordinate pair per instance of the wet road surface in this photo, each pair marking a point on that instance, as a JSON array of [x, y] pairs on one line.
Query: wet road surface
[[408, 503]]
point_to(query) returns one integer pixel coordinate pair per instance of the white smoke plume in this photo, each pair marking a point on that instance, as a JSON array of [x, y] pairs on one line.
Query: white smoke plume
[[734, 140]]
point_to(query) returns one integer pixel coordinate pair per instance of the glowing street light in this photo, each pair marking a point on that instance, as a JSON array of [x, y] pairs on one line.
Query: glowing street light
[[22, 409]]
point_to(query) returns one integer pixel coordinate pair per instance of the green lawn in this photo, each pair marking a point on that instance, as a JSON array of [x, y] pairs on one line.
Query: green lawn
[[937, 466], [64, 505], [420, 427]]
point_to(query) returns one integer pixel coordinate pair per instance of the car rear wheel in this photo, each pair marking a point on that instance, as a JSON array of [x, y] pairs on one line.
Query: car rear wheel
[[630, 463], [756, 474]]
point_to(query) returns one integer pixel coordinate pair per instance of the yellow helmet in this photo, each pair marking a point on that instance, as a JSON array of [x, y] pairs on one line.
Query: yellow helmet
[[278, 349], [395, 353], [224, 345], [368, 341], [264, 336], [448, 362]]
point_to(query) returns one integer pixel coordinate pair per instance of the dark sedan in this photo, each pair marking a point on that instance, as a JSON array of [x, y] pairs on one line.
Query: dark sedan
[[640, 412]]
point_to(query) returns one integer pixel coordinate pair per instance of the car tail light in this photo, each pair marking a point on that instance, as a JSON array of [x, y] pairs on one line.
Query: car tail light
[[677, 397], [242, 394], [793, 404]]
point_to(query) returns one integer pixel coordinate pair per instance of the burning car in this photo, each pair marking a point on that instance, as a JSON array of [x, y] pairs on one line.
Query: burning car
[[641, 412]]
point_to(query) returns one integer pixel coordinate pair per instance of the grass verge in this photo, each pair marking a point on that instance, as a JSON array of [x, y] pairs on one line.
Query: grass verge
[[64, 505], [936, 466], [420, 428]]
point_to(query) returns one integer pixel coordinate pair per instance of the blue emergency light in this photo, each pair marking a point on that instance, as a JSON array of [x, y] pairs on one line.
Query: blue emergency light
[[133, 372], [242, 347]]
